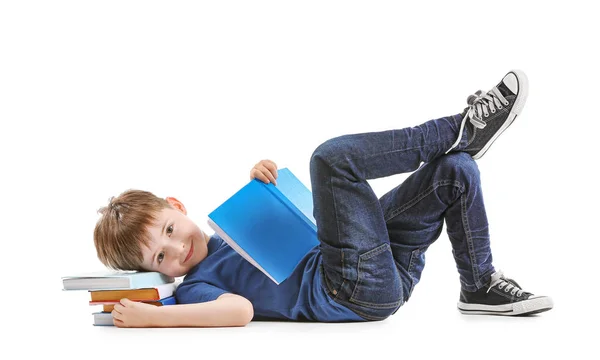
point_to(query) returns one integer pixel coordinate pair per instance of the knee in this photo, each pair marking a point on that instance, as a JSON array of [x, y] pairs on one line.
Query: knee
[[461, 165], [325, 153]]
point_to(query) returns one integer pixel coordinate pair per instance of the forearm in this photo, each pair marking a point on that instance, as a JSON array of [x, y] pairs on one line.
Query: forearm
[[219, 313]]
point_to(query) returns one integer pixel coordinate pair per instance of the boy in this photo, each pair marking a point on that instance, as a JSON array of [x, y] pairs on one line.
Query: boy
[[371, 251]]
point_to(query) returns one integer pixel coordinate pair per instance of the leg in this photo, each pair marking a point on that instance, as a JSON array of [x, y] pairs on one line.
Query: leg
[[449, 188], [446, 188], [359, 270]]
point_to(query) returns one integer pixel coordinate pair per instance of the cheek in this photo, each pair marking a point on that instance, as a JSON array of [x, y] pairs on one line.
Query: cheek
[[174, 270], [188, 231]]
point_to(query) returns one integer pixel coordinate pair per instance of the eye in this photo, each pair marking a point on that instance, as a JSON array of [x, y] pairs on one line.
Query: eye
[[170, 229], [160, 257]]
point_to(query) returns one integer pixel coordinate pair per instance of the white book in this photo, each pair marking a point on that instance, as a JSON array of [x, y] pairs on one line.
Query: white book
[[113, 279], [103, 319]]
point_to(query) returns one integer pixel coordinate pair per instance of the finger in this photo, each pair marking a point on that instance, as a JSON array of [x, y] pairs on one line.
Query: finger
[[118, 307], [267, 173], [255, 173], [119, 323], [125, 302], [272, 162], [272, 168], [263, 178], [116, 315], [258, 173]]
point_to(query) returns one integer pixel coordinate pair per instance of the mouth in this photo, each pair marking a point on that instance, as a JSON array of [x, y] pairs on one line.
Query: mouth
[[189, 255]]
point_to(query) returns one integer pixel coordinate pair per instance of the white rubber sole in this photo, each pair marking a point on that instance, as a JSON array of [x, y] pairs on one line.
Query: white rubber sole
[[525, 307], [516, 109]]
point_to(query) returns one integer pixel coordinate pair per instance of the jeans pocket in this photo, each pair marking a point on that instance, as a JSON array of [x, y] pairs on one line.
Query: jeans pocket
[[415, 268], [332, 269], [410, 264], [378, 285]]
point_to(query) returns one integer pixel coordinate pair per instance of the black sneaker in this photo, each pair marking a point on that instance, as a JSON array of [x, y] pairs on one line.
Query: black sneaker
[[491, 113], [502, 297]]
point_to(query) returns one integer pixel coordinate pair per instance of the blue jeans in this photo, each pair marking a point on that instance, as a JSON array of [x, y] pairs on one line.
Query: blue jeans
[[373, 249]]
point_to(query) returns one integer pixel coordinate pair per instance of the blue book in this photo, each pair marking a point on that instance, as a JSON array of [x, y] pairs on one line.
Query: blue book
[[272, 227], [115, 280], [168, 300]]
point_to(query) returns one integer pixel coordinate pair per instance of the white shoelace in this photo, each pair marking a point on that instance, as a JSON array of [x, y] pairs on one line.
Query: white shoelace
[[479, 104], [499, 278]]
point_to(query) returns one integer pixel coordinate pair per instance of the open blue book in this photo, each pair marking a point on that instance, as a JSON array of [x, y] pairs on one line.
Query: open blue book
[[270, 226]]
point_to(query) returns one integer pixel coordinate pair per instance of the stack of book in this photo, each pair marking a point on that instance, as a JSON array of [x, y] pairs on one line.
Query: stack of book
[[107, 288]]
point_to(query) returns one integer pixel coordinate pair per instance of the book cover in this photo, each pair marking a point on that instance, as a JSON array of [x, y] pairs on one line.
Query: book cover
[[271, 226], [145, 294], [108, 306], [109, 279]]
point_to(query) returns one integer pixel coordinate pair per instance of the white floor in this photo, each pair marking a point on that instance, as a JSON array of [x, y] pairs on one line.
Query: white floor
[[428, 328]]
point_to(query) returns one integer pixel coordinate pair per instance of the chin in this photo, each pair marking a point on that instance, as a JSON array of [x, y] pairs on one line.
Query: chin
[[192, 264]]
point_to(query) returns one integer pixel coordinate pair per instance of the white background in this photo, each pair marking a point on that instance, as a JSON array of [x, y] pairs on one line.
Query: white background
[[183, 98]]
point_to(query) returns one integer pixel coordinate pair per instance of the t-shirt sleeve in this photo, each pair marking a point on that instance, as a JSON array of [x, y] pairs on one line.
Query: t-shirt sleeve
[[197, 293]]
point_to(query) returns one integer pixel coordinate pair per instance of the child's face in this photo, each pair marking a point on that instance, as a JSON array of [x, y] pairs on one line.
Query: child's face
[[176, 243]]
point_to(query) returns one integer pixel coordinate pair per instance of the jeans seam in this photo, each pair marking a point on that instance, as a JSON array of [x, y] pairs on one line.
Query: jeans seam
[[476, 285], [369, 317], [413, 255], [422, 195], [330, 287], [337, 223], [378, 306], [360, 313], [467, 229], [371, 253], [343, 266], [342, 158]]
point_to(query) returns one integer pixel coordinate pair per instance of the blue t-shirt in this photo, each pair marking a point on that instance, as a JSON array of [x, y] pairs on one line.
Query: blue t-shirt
[[300, 297]]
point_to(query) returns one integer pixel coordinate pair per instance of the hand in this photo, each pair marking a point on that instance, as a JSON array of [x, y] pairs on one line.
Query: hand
[[265, 171], [129, 313]]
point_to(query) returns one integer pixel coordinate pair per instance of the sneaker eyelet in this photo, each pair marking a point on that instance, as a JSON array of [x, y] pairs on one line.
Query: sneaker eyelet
[[493, 111], [500, 287], [499, 106], [506, 103], [506, 290]]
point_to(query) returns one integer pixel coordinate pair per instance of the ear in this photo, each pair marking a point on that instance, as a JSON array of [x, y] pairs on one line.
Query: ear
[[176, 204]]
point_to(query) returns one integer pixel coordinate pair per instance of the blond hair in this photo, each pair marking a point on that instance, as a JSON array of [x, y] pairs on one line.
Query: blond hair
[[122, 229]]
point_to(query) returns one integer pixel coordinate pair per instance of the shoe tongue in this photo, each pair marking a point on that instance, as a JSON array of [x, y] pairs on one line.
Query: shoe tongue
[[513, 282], [504, 90]]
